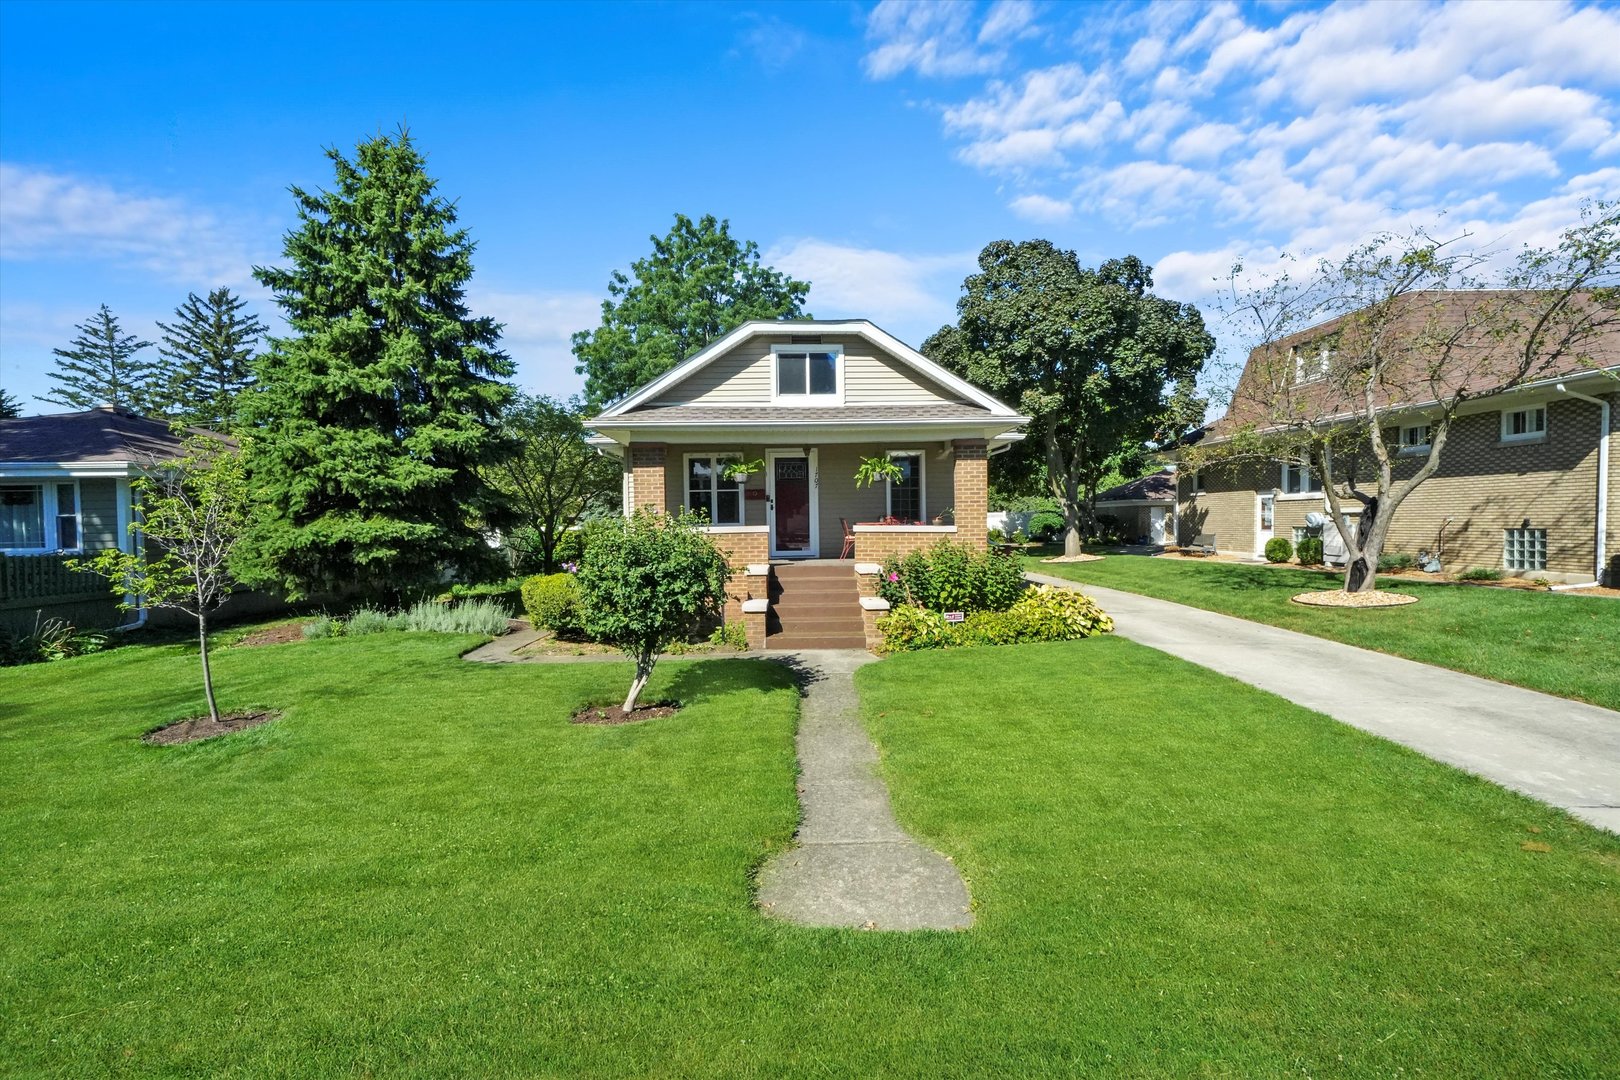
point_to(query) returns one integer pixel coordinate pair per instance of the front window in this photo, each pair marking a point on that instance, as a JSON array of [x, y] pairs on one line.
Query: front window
[[906, 494], [1415, 438], [712, 494], [67, 517], [1297, 479], [1524, 549], [22, 517], [1524, 425], [808, 373]]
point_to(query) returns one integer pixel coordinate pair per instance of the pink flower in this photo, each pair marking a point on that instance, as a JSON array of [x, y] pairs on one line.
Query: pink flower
[[893, 576]]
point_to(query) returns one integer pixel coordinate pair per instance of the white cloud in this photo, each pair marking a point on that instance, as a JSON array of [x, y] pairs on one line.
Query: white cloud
[[934, 39], [47, 215], [538, 329], [1042, 208], [1007, 19], [907, 294]]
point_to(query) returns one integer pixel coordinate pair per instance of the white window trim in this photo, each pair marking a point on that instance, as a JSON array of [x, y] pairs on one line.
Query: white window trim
[[812, 454], [1415, 448], [52, 530], [819, 400], [1307, 492], [714, 460], [1324, 356], [1532, 436], [922, 485]]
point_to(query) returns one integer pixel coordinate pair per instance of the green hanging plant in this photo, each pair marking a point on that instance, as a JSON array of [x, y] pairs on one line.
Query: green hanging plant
[[873, 469], [741, 470]]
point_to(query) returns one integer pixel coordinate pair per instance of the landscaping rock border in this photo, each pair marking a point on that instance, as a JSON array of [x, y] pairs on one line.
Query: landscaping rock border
[[1340, 599]]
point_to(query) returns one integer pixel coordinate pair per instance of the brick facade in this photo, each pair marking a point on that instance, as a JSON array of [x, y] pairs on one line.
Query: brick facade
[[646, 465], [972, 460], [898, 540]]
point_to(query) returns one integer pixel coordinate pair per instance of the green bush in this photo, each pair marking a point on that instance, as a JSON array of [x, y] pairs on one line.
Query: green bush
[[732, 635], [956, 576], [324, 626], [990, 628], [1476, 573], [1309, 551], [470, 617], [570, 547], [1397, 561], [1054, 614], [908, 628], [52, 639], [952, 577], [1045, 525], [552, 602], [367, 621], [1279, 549]]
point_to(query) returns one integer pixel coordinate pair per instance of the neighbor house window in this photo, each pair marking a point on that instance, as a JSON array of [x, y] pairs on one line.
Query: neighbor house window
[[67, 517], [1311, 359], [716, 497], [22, 517], [1305, 532], [1524, 425], [1297, 479], [1415, 438], [906, 494], [809, 375], [1524, 549]]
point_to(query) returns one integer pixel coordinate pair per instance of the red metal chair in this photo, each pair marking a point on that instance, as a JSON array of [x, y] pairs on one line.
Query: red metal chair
[[849, 540]]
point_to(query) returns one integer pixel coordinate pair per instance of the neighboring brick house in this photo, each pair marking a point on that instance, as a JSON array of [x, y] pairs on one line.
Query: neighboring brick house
[[810, 399], [1145, 507], [1525, 483]]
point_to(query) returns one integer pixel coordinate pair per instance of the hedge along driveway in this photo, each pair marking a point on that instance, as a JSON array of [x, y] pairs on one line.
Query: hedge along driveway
[[1552, 642]]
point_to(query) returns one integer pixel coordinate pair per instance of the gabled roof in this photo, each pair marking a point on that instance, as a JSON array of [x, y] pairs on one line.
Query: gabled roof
[[104, 436], [1160, 487], [985, 404]]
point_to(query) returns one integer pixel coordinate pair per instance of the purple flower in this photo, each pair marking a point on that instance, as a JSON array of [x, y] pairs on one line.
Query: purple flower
[[893, 576], [572, 568]]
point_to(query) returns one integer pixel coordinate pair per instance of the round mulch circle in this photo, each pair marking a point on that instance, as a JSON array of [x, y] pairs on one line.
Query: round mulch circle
[[1338, 598], [613, 714], [203, 727], [1072, 558]]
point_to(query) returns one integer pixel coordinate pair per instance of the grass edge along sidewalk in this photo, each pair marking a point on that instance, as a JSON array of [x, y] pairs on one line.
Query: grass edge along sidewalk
[[1551, 642]]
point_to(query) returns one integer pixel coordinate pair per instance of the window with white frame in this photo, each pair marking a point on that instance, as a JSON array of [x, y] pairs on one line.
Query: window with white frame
[[22, 517], [906, 494], [1524, 549], [1524, 425], [711, 493], [811, 375], [1415, 438], [67, 517], [1297, 479], [1311, 359]]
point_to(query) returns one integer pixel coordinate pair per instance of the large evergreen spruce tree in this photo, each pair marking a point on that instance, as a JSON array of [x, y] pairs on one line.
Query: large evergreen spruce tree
[[102, 367], [367, 425], [209, 349], [10, 405]]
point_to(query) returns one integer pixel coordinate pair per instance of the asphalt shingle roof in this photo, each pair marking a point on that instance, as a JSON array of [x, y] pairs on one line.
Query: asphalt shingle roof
[[774, 414], [96, 436]]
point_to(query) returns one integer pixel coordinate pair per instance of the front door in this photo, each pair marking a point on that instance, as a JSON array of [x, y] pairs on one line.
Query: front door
[[1156, 524], [793, 524], [1265, 514]]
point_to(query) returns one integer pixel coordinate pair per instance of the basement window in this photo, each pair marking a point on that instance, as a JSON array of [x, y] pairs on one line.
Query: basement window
[[1524, 549]]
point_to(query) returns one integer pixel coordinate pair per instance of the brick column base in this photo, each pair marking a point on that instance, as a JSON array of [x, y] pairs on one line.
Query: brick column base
[[972, 492]]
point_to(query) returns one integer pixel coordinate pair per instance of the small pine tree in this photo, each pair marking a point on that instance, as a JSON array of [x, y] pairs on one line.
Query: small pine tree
[[371, 422], [209, 349], [10, 406], [102, 367]]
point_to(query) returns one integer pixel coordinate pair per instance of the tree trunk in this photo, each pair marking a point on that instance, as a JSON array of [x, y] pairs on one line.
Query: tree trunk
[[1361, 575], [208, 676], [644, 669]]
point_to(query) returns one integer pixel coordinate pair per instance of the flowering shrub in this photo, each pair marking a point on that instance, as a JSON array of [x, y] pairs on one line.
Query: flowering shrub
[[950, 577], [1043, 614]]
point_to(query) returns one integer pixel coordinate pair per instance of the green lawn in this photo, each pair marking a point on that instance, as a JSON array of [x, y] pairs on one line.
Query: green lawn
[[424, 870], [1563, 645]]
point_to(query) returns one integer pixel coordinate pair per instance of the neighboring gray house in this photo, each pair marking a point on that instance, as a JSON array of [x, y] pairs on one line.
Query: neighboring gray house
[[65, 491]]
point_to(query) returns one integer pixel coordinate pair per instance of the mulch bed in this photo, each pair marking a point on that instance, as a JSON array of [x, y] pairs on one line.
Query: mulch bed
[[1072, 558], [613, 714], [279, 634], [202, 727], [1338, 598]]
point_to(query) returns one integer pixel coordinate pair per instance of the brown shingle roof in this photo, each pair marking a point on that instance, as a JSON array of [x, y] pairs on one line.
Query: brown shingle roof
[[772, 414], [1160, 487], [96, 436]]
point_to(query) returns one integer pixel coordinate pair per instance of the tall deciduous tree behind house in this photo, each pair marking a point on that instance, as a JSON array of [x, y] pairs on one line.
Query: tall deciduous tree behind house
[[1418, 332], [551, 478], [698, 283], [1096, 360], [102, 366], [372, 421], [209, 351]]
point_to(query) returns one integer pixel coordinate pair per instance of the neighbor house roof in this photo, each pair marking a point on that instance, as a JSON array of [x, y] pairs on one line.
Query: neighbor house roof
[[104, 436], [705, 416], [1465, 322], [1160, 487]]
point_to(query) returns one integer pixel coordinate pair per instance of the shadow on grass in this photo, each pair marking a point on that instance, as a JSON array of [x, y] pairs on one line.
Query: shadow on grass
[[700, 681]]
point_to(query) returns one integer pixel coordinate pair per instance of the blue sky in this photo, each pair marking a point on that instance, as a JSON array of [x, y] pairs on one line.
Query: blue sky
[[145, 149]]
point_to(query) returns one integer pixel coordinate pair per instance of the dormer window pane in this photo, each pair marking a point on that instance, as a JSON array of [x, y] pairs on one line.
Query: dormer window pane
[[790, 372], [823, 373], [807, 374]]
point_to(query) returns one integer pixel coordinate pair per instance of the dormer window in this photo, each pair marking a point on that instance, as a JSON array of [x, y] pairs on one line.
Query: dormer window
[[809, 376], [1312, 358]]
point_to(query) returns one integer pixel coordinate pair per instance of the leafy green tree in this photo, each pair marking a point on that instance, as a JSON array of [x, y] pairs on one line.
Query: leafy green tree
[[550, 477], [209, 349], [194, 510], [373, 421], [1419, 319], [10, 405], [1098, 362], [650, 579], [698, 283], [101, 366]]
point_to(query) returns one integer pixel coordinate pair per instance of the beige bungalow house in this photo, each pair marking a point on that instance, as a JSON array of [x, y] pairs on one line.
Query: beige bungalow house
[[1525, 484], [808, 401]]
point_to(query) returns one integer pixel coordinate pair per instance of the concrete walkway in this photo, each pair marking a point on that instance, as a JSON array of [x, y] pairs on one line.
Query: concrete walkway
[[853, 864], [1562, 752]]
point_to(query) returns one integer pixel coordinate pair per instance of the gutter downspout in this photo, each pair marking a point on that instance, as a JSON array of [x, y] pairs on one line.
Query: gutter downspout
[[129, 515], [1602, 480]]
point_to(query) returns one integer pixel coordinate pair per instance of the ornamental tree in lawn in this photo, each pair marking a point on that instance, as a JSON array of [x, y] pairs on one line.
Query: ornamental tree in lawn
[[650, 580], [372, 421], [698, 283], [1098, 362], [193, 512], [1408, 330]]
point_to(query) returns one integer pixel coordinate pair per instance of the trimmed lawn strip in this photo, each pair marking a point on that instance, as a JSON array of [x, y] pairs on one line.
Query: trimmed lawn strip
[[1560, 645], [423, 869]]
